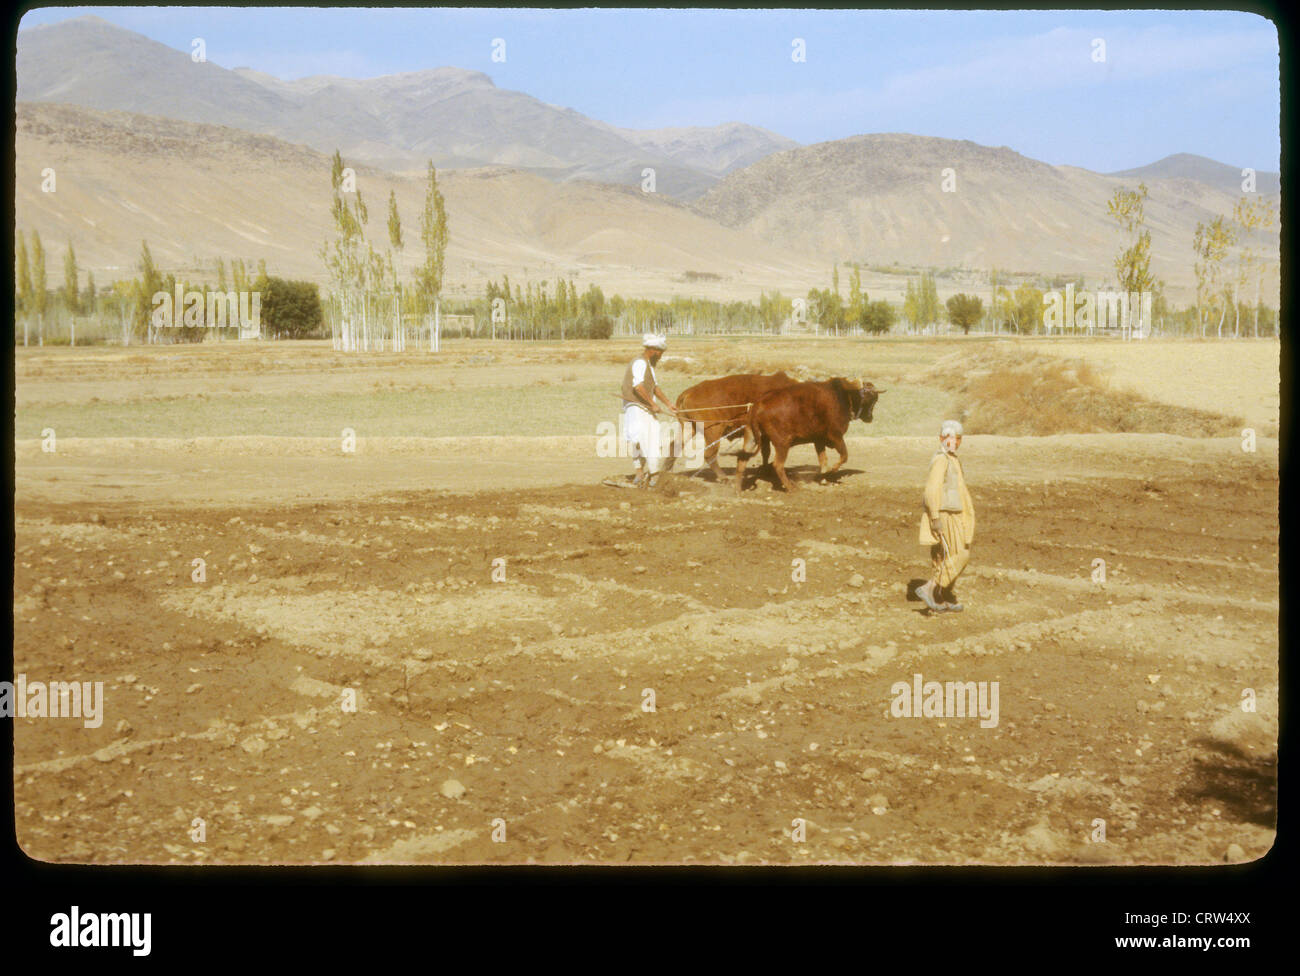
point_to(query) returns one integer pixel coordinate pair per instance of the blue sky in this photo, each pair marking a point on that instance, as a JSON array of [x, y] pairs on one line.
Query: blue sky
[[1172, 81]]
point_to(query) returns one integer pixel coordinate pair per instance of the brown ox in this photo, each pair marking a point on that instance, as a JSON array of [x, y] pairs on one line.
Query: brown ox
[[719, 408], [806, 413]]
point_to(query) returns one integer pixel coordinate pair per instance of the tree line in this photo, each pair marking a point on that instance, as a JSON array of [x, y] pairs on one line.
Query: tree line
[[368, 306], [144, 309]]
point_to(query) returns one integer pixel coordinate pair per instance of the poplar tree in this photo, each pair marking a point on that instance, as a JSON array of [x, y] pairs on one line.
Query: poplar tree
[[1252, 216], [994, 291], [394, 222], [149, 284], [23, 284], [342, 257], [1133, 263], [39, 297], [71, 292], [857, 299], [433, 232], [1210, 244], [395, 244], [927, 299], [911, 305]]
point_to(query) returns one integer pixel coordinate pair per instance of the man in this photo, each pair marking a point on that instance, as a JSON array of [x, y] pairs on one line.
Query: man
[[947, 523], [641, 427]]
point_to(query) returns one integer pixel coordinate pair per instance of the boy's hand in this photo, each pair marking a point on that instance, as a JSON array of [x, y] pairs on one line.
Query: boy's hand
[[935, 527]]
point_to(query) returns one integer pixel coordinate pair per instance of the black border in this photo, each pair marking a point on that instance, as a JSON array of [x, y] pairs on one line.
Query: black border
[[950, 916]]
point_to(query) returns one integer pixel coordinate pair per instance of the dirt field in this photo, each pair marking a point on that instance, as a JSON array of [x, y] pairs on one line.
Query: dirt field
[[502, 709]]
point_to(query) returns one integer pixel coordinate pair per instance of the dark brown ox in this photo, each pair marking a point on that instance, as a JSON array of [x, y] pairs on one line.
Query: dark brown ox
[[806, 413], [719, 407]]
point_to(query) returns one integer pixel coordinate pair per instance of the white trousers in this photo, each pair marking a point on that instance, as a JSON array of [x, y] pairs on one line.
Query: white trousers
[[647, 438]]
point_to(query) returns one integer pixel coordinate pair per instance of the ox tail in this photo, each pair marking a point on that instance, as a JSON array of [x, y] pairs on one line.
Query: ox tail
[[752, 430], [688, 425]]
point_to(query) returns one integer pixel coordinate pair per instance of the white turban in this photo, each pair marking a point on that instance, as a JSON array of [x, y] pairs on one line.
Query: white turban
[[653, 341], [949, 427]]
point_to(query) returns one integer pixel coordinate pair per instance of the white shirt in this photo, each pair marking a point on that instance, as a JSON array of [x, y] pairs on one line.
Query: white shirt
[[639, 367]]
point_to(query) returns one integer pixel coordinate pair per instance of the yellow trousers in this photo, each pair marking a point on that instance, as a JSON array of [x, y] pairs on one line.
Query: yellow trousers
[[951, 556]]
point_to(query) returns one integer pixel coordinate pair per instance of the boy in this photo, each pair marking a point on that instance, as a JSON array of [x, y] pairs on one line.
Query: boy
[[947, 523]]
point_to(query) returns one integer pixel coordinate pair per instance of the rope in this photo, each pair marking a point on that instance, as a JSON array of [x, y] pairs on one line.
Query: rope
[[722, 406], [705, 467], [725, 436]]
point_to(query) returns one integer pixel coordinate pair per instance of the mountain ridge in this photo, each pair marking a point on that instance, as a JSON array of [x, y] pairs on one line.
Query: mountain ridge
[[875, 198], [455, 116], [923, 200], [1202, 169], [197, 191]]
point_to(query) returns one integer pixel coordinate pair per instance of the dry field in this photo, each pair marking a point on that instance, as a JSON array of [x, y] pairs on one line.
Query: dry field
[[504, 622]]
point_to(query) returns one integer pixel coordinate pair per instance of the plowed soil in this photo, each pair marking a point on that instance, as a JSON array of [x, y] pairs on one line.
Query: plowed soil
[[570, 673]]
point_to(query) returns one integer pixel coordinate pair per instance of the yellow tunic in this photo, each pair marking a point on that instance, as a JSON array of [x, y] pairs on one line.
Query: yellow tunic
[[947, 500]]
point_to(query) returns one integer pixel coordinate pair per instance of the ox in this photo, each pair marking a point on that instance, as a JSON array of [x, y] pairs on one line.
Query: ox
[[719, 408], [806, 413]]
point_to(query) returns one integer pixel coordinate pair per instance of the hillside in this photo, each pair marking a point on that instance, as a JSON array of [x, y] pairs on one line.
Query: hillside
[[196, 192], [879, 199], [715, 149], [542, 189], [1188, 166], [456, 117]]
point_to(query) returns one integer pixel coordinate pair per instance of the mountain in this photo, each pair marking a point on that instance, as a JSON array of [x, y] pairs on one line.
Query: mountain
[[1198, 169], [196, 192], [455, 117], [90, 62], [879, 199], [203, 161], [715, 149]]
